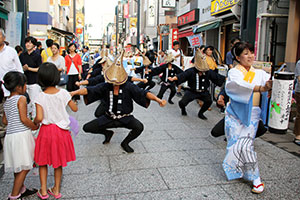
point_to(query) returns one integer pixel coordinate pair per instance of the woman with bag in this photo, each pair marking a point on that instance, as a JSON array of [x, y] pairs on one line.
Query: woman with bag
[[74, 69], [56, 58]]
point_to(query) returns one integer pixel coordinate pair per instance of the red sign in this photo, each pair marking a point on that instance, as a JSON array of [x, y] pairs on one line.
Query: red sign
[[174, 35], [188, 18], [126, 10]]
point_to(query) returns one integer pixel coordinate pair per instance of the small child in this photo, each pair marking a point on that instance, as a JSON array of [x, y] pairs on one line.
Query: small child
[[18, 142], [54, 145]]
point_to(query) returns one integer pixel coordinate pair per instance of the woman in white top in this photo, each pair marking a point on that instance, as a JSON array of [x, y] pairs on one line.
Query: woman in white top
[[57, 59]]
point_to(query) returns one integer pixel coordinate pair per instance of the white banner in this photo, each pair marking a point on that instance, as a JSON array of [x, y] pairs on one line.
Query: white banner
[[14, 28], [151, 12]]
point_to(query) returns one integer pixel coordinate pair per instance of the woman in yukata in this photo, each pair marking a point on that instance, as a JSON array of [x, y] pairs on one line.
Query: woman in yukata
[[247, 89]]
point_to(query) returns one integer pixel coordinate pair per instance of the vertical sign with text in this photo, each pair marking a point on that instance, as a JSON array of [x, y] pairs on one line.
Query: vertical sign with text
[[174, 35]]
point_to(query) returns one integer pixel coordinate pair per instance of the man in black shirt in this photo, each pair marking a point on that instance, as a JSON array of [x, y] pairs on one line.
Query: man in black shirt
[[31, 61], [198, 78], [118, 96]]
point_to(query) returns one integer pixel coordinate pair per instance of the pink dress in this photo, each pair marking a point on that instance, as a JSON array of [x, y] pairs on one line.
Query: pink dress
[[54, 144]]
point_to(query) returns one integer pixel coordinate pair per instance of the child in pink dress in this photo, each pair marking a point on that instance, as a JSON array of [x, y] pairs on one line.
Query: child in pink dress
[[54, 145]]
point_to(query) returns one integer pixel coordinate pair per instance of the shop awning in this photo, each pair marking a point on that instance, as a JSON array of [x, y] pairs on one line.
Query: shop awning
[[68, 35], [185, 33], [207, 26], [65, 33], [3, 13]]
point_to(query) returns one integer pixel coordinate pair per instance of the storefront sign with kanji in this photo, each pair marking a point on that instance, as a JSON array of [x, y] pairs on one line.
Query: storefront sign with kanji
[[188, 18]]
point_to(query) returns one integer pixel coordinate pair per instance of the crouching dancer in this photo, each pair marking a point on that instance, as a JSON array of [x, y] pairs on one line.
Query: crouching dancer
[[198, 78], [118, 95]]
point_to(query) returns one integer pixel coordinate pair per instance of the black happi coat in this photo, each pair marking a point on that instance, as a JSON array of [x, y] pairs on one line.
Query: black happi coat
[[191, 74], [166, 72], [97, 69], [128, 93], [141, 71], [96, 80], [100, 79]]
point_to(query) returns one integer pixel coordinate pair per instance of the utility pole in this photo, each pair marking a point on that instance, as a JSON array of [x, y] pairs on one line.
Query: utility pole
[[117, 27], [138, 23], [157, 34], [74, 16]]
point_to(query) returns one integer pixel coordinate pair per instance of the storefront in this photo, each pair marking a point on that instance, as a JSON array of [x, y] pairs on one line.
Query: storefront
[[185, 30], [219, 24]]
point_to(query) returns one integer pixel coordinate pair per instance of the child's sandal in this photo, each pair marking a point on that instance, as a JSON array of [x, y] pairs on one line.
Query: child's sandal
[[42, 196], [256, 187], [52, 194], [14, 197]]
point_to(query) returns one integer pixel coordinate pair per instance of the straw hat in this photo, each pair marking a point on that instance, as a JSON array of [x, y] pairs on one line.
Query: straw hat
[[115, 73], [146, 61], [170, 58], [106, 64], [200, 62]]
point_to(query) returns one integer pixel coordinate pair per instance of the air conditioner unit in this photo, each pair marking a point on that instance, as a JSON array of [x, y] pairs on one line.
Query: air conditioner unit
[[236, 27]]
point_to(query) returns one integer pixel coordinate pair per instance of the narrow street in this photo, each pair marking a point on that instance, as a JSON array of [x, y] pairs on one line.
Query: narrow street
[[175, 158]]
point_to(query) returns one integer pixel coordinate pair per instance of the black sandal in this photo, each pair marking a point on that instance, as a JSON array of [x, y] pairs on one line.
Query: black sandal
[[297, 141], [28, 192]]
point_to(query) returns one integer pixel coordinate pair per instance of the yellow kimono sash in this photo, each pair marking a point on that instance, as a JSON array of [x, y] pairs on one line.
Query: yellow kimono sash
[[248, 77]]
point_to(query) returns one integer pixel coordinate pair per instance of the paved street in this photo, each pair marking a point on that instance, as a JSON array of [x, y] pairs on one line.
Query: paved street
[[175, 158]]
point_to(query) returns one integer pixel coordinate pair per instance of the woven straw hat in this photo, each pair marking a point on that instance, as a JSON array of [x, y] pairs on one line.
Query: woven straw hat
[[200, 62], [170, 58], [146, 61], [115, 73]]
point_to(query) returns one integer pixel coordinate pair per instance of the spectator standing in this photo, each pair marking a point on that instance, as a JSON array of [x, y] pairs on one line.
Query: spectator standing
[[297, 97], [46, 53], [162, 57], [85, 59], [9, 62], [210, 59], [39, 47], [74, 69], [31, 61], [229, 57], [178, 61], [151, 55], [57, 59], [19, 49], [96, 55]]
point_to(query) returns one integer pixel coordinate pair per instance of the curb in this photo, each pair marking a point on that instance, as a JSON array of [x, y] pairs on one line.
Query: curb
[[1, 170]]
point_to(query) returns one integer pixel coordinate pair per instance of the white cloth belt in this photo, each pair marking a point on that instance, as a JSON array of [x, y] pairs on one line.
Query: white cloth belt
[[112, 115]]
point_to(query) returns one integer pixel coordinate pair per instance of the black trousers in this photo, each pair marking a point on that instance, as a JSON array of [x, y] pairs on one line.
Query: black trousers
[[163, 89], [71, 85], [100, 109], [219, 129], [134, 125], [190, 96], [149, 85], [85, 69]]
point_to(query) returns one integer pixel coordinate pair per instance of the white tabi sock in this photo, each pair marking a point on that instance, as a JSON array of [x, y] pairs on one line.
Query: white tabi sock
[[257, 182]]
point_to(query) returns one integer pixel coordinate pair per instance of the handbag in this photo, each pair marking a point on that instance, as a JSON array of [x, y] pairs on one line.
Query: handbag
[[63, 79]]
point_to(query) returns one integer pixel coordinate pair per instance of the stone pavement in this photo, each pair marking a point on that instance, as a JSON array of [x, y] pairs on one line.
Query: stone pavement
[[175, 158]]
